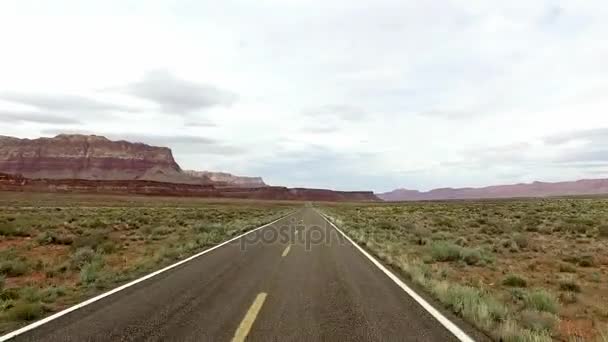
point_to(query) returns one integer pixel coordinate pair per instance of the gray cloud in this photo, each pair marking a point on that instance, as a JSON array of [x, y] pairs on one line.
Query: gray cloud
[[199, 124], [62, 102], [344, 112], [319, 167], [180, 144], [594, 135], [36, 117], [183, 144], [319, 129], [600, 155], [179, 96]]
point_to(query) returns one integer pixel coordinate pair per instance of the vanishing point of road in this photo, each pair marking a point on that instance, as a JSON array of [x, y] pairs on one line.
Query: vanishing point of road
[[295, 280]]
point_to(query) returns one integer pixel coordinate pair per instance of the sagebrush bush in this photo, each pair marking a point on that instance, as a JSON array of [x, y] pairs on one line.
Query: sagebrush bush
[[521, 240], [542, 300], [569, 284], [445, 251], [603, 230], [23, 311], [515, 281], [471, 303], [510, 331], [567, 268], [81, 257], [538, 320], [13, 268]]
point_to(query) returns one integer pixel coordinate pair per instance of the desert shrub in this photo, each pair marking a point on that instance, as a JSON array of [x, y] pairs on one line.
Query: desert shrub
[[89, 272], [13, 267], [567, 268], [162, 231], [81, 257], [30, 294], [518, 294], [50, 294], [444, 251], [107, 247], [510, 331], [538, 320], [568, 297], [514, 281], [471, 303], [569, 285], [11, 229], [521, 240], [97, 223], [92, 240], [52, 238], [387, 224], [541, 300], [23, 311], [603, 230], [461, 241], [471, 256], [586, 261]]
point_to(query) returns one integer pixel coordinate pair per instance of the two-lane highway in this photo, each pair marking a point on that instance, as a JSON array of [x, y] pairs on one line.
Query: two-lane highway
[[297, 280]]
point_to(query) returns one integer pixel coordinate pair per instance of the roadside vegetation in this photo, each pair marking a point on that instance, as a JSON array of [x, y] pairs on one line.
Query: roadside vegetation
[[520, 270], [57, 251]]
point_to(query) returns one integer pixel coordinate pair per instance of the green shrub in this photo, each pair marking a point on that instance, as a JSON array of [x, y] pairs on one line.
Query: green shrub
[[92, 240], [11, 229], [510, 331], [538, 320], [471, 303], [567, 268], [445, 251], [52, 238], [23, 311], [89, 273], [387, 224], [568, 297], [514, 281], [542, 300], [50, 294], [569, 285], [521, 240], [586, 261], [471, 256], [603, 230], [13, 268], [81, 257]]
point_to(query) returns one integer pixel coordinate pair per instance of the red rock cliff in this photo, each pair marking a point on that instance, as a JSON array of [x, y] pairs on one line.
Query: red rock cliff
[[88, 157]]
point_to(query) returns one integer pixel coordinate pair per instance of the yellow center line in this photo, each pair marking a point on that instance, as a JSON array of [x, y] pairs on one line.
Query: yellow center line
[[241, 333], [286, 251]]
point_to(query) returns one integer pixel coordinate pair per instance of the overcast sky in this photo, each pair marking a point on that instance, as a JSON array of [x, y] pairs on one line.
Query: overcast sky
[[341, 94]]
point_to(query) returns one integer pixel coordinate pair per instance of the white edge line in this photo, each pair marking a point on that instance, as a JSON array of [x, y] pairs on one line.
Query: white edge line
[[134, 282], [449, 325]]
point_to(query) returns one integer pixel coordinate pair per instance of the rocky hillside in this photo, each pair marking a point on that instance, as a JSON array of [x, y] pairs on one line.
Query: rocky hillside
[[143, 187], [94, 164], [90, 157], [536, 189], [228, 179]]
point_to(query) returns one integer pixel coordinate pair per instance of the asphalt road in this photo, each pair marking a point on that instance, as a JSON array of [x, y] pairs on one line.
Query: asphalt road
[[297, 280]]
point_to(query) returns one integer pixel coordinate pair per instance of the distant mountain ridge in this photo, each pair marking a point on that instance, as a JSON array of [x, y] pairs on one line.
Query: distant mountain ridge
[[92, 157], [535, 189]]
